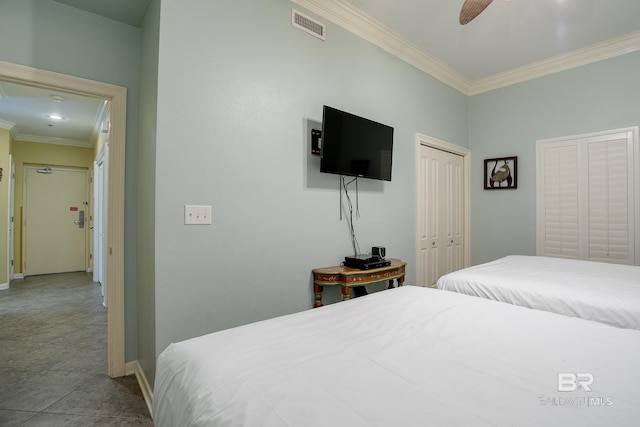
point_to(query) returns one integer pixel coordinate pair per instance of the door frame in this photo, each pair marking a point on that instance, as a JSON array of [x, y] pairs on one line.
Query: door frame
[[10, 221], [99, 204], [428, 141], [117, 96]]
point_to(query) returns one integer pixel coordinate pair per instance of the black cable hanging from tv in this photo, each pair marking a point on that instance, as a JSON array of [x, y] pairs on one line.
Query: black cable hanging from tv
[[352, 232]]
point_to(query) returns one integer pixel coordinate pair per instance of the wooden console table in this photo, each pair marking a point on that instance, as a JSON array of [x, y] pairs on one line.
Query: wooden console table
[[348, 278]]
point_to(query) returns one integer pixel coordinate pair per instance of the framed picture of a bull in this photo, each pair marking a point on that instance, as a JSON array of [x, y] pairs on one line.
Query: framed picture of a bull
[[501, 173]]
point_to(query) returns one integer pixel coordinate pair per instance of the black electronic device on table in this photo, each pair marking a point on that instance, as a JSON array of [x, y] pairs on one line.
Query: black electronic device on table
[[365, 262]]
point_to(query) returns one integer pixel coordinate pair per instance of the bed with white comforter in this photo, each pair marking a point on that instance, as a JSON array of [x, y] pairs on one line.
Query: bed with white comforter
[[607, 293], [408, 356]]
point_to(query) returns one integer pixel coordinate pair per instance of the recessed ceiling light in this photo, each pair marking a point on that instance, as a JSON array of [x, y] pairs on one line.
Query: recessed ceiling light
[[55, 117]]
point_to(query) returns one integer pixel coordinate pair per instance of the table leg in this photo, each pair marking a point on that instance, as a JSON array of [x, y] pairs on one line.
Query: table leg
[[359, 291], [346, 293], [400, 280], [317, 290], [390, 284]]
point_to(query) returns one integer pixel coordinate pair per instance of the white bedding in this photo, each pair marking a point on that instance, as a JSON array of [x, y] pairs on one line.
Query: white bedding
[[407, 356], [607, 293]]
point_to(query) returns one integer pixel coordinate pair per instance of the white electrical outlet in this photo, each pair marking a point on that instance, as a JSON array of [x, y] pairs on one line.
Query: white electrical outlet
[[197, 214]]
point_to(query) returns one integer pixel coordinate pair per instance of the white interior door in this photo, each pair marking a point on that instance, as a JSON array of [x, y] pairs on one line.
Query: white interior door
[[10, 219], [441, 214], [99, 221], [55, 226]]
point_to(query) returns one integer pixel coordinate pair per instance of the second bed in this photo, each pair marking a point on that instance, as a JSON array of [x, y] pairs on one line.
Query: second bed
[[606, 293]]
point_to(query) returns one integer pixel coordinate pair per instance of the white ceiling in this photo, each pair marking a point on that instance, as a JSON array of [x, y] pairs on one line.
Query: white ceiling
[[26, 111], [509, 35]]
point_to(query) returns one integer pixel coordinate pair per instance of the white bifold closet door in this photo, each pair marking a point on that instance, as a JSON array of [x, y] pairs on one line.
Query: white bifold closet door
[[586, 202], [441, 223]]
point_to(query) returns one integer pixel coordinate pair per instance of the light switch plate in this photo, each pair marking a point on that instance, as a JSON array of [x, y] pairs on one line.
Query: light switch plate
[[197, 215]]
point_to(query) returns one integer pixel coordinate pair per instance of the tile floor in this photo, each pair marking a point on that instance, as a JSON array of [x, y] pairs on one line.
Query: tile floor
[[53, 354]]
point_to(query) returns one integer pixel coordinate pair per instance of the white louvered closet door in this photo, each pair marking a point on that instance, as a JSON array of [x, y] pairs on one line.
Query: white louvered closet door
[[586, 205], [560, 200], [610, 213]]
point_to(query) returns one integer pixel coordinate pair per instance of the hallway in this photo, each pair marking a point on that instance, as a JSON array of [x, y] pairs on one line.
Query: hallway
[[53, 350]]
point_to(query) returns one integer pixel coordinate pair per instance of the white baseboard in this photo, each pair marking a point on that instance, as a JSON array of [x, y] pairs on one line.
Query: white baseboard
[[18, 275], [135, 368], [4, 286]]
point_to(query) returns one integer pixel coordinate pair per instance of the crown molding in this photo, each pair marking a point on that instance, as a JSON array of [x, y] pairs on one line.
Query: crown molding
[[362, 25], [50, 140], [5, 124], [609, 49], [355, 21], [10, 126]]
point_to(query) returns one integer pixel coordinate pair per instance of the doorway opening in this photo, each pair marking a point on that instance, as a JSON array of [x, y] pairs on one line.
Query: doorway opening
[[114, 214]]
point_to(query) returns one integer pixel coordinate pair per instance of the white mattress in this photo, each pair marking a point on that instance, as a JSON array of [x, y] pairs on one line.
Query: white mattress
[[607, 293], [406, 357]]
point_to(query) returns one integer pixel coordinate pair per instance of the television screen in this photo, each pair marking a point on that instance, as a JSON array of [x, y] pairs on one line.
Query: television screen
[[355, 146]]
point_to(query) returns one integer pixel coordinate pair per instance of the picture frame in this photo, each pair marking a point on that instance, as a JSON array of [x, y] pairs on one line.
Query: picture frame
[[501, 173]]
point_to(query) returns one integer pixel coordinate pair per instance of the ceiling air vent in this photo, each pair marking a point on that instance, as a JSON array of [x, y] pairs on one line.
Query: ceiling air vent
[[307, 24]]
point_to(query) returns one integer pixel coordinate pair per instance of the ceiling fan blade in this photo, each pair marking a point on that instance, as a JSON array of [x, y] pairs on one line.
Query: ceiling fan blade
[[471, 9]]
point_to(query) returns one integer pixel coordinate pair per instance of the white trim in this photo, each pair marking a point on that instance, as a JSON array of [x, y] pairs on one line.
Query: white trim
[[135, 368], [52, 140], [428, 141], [10, 126], [5, 124], [355, 21], [633, 129], [11, 225], [100, 205], [635, 132], [364, 26], [117, 95], [4, 286], [577, 58]]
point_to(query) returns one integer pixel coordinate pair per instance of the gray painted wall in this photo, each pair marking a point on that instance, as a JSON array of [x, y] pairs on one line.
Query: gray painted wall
[[51, 36], [507, 122], [145, 208], [237, 88]]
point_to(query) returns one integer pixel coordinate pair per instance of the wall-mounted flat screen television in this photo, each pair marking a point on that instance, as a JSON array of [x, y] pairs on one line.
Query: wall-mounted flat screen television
[[355, 146]]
